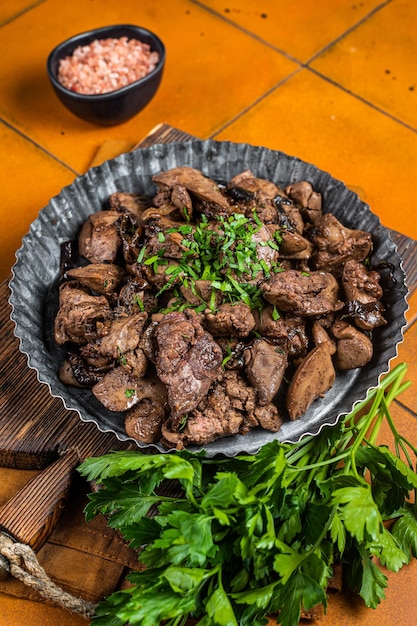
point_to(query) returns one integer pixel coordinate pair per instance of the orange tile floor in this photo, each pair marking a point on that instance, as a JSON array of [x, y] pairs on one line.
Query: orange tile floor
[[330, 81]]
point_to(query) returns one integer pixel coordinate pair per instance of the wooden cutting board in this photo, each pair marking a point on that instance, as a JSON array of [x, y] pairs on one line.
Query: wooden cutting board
[[35, 428]]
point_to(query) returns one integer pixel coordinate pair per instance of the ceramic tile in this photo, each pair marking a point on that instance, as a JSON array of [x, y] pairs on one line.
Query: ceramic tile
[[12, 481], [28, 179], [405, 423], [301, 28], [212, 73], [12, 9], [314, 120], [377, 61], [398, 607], [16, 612]]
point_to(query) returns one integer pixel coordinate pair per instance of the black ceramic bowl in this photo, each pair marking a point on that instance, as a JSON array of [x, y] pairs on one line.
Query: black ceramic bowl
[[116, 106]]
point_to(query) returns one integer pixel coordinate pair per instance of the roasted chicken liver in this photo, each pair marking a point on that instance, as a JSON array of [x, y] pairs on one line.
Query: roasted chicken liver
[[213, 308]]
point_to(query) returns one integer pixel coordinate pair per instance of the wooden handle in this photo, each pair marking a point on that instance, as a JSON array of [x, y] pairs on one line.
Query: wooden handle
[[31, 515]]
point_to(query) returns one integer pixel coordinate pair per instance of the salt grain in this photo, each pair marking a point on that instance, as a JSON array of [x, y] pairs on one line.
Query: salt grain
[[106, 65]]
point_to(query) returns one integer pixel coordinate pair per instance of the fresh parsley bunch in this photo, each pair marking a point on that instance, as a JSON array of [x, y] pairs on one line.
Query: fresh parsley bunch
[[259, 534]]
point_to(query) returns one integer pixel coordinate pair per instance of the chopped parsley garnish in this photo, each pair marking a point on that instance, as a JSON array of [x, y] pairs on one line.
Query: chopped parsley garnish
[[275, 314], [138, 300], [223, 251], [122, 357]]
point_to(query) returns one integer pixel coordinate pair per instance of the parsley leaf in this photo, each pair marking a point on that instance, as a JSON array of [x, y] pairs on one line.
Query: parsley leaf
[[405, 530], [358, 511], [231, 540], [373, 581]]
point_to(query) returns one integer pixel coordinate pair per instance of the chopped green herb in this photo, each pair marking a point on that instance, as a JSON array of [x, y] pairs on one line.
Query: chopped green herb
[[121, 357], [151, 259], [183, 422], [265, 268], [277, 236], [256, 218], [224, 254], [275, 314], [129, 393], [185, 213], [228, 356], [138, 300], [141, 254]]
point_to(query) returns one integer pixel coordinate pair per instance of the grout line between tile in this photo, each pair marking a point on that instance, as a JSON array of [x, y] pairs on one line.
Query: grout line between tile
[[281, 51], [253, 104], [302, 65], [410, 324], [362, 99], [38, 146], [247, 32], [349, 30], [22, 12], [406, 408]]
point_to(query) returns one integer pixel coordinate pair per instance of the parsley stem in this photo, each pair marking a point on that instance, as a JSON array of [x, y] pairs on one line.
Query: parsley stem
[[322, 535], [323, 463], [180, 620], [394, 376], [361, 435], [295, 454], [398, 437], [356, 428], [376, 427], [325, 530]]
